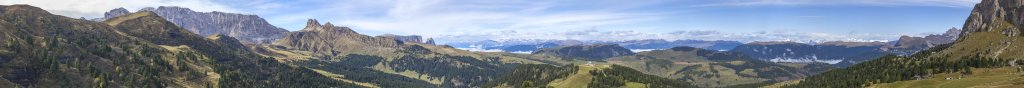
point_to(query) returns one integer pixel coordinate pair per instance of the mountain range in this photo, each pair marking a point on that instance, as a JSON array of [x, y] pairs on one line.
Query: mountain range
[[528, 45], [250, 29], [986, 54], [842, 53]]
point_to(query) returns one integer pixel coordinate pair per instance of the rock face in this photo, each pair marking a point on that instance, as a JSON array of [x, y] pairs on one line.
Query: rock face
[[407, 39], [996, 15], [590, 52], [332, 40], [912, 44], [430, 41], [249, 29], [114, 13]]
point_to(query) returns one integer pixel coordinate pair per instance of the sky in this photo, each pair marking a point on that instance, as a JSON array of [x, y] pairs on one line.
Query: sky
[[474, 20]]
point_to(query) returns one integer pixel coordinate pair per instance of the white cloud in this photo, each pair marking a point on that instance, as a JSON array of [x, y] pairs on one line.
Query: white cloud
[[676, 35], [468, 16], [943, 3], [96, 8]]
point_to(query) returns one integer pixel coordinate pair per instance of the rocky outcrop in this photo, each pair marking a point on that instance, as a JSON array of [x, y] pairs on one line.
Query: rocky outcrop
[[113, 13], [430, 41], [1004, 16], [406, 39], [249, 29], [331, 40], [588, 52], [907, 45]]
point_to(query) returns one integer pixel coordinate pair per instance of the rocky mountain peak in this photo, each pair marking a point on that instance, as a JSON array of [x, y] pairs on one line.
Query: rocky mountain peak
[[1002, 16], [115, 12], [409, 38], [328, 24], [312, 23], [952, 32], [430, 41]]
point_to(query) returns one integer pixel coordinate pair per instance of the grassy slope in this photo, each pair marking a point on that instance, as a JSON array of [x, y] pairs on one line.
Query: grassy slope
[[435, 51], [687, 65], [986, 44], [983, 77], [578, 80], [342, 78], [990, 44]]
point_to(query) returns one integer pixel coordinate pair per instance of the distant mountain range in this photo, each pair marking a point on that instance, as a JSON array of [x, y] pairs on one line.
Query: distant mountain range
[[637, 45], [703, 68], [836, 52], [586, 52], [842, 53]]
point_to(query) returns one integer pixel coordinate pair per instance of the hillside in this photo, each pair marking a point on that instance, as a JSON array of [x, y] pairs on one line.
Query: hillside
[[586, 52], [989, 42], [386, 62], [707, 68], [584, 76], [136, 50]]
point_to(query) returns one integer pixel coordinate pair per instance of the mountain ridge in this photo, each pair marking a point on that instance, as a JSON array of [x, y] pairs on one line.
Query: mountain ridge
[[250, 29]]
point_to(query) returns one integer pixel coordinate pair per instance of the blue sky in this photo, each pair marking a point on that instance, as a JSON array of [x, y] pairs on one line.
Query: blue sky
[[470, 20]]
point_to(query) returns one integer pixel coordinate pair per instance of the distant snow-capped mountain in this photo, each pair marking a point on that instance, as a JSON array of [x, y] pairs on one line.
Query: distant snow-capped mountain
[[842, 53], [529, 45]]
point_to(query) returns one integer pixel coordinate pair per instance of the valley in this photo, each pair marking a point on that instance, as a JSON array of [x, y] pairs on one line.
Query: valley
[[183, 47]]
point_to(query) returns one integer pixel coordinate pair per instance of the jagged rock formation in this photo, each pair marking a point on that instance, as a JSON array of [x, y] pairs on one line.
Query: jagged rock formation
[[250, 29], [1004, 16], [911, 44], [430, 41], [333, 40], [406, 39], [590, 52], [113, 13]]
